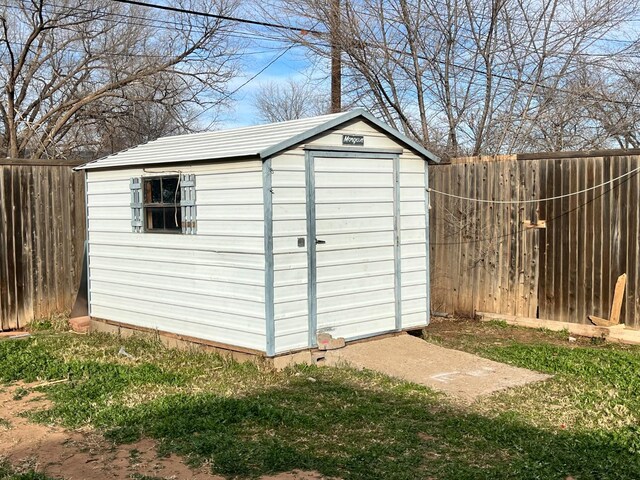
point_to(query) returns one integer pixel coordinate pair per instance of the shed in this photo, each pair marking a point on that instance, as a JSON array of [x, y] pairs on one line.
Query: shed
[[256, 239]]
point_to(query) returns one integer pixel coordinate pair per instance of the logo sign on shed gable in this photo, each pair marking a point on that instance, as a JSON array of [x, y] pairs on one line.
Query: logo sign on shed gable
[[357, 140]]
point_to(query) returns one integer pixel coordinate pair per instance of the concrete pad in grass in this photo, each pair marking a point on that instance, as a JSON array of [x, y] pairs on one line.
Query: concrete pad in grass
[[462, 375]]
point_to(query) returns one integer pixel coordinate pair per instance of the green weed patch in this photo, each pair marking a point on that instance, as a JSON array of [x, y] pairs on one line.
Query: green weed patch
[[246, 421]]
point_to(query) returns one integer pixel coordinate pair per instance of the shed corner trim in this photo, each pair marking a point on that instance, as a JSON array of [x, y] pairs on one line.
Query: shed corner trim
[[270, 333]]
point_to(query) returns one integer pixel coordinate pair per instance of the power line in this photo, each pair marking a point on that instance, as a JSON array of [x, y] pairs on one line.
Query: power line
[[161, 7], [151, 22], [170, 25], [255, 35], [519, 81], [523, 23], [216, 16], [628, 43], [514, 80], [144, 55], [237, 89], [397, 51], [394, 50], [148, 22], [274, 25]]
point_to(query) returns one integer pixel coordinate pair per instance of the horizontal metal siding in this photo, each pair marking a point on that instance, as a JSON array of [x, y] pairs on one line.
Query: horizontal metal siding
[[413, 248], [209, 285], [231, 264], [349, 304], [365, 202], [290, 261]]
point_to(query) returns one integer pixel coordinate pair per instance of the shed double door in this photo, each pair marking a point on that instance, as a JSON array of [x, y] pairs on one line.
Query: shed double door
[[354, 244]]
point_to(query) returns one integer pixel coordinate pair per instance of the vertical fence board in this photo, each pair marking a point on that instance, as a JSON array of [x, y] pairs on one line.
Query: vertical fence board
[[564, 224], [607, 237], [564, 272], [483, 289], [614, 221], [633, 210], [531, 270], [475, 263], [505, 240], [42, 229], [572, 240], [598, 222], [28, 216], [556, 244], [10, 321], [635, 179], [48, 298], [588, 201], [461, 212], [622, 200], [41, 208], [24, 274], [4, 265], [550, 267], [491, 263], [546, 283], [534, 307], [581, 237], [58, 226]]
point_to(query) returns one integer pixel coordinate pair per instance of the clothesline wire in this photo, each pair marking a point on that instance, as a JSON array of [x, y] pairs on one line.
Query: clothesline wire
[[534, 200]]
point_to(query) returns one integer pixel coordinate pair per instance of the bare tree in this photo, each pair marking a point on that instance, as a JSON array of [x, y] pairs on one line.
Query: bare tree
[[291, 100], [478, 76], [146, 113], [619, 119], [72, 67]]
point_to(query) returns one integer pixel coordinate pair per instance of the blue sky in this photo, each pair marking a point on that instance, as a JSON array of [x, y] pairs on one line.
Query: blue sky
[[293, 64]]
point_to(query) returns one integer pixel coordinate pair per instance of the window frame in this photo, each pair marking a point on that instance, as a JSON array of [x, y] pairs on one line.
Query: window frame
[[177, 231]]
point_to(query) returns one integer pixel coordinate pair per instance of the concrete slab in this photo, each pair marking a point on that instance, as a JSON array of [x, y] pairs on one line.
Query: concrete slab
[[459, 374], [14, 335]]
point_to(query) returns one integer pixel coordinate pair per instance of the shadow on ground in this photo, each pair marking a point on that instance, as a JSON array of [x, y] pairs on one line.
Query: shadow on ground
[[341, 430], [335, 421]]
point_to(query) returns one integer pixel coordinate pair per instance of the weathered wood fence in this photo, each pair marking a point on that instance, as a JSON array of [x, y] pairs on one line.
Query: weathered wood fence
[[488, 257], [42, 231], [484, 256]]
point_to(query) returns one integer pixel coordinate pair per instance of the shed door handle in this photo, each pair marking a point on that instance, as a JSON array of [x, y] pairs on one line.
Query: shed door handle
[[320, 242]]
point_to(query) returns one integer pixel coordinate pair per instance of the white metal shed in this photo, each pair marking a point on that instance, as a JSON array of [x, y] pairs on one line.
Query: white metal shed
[[258, 238]]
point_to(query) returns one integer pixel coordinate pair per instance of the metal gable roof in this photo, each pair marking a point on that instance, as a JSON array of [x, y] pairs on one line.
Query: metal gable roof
[[260, 140]]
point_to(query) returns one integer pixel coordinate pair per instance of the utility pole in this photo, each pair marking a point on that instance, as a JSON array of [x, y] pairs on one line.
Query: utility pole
[[336, 61]]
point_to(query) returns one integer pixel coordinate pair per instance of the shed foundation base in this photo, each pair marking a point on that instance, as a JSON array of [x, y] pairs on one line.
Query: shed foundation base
[[310, 356], [172, 340]]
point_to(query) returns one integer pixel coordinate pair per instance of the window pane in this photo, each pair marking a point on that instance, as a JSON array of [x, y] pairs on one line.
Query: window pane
[[170, 192], [173, 218], [155, 218], [147, 191], [162, 211], [152, 190]]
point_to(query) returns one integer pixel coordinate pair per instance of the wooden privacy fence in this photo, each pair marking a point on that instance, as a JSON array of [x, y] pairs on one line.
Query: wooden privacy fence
[[495, 257], [42, 231]]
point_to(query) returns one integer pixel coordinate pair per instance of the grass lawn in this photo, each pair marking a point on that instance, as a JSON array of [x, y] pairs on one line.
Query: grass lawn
[[245, 421], [8, 472]]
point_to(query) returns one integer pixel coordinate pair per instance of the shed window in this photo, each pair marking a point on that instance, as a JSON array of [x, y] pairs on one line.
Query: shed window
[[162, 210]]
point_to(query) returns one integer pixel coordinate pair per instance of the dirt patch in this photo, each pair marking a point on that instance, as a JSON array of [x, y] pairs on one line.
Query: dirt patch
[[76, 455], [462, 375], [464, 333]]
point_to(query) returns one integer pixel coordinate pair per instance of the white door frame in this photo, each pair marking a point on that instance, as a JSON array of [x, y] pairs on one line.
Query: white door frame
[[341, 152]]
